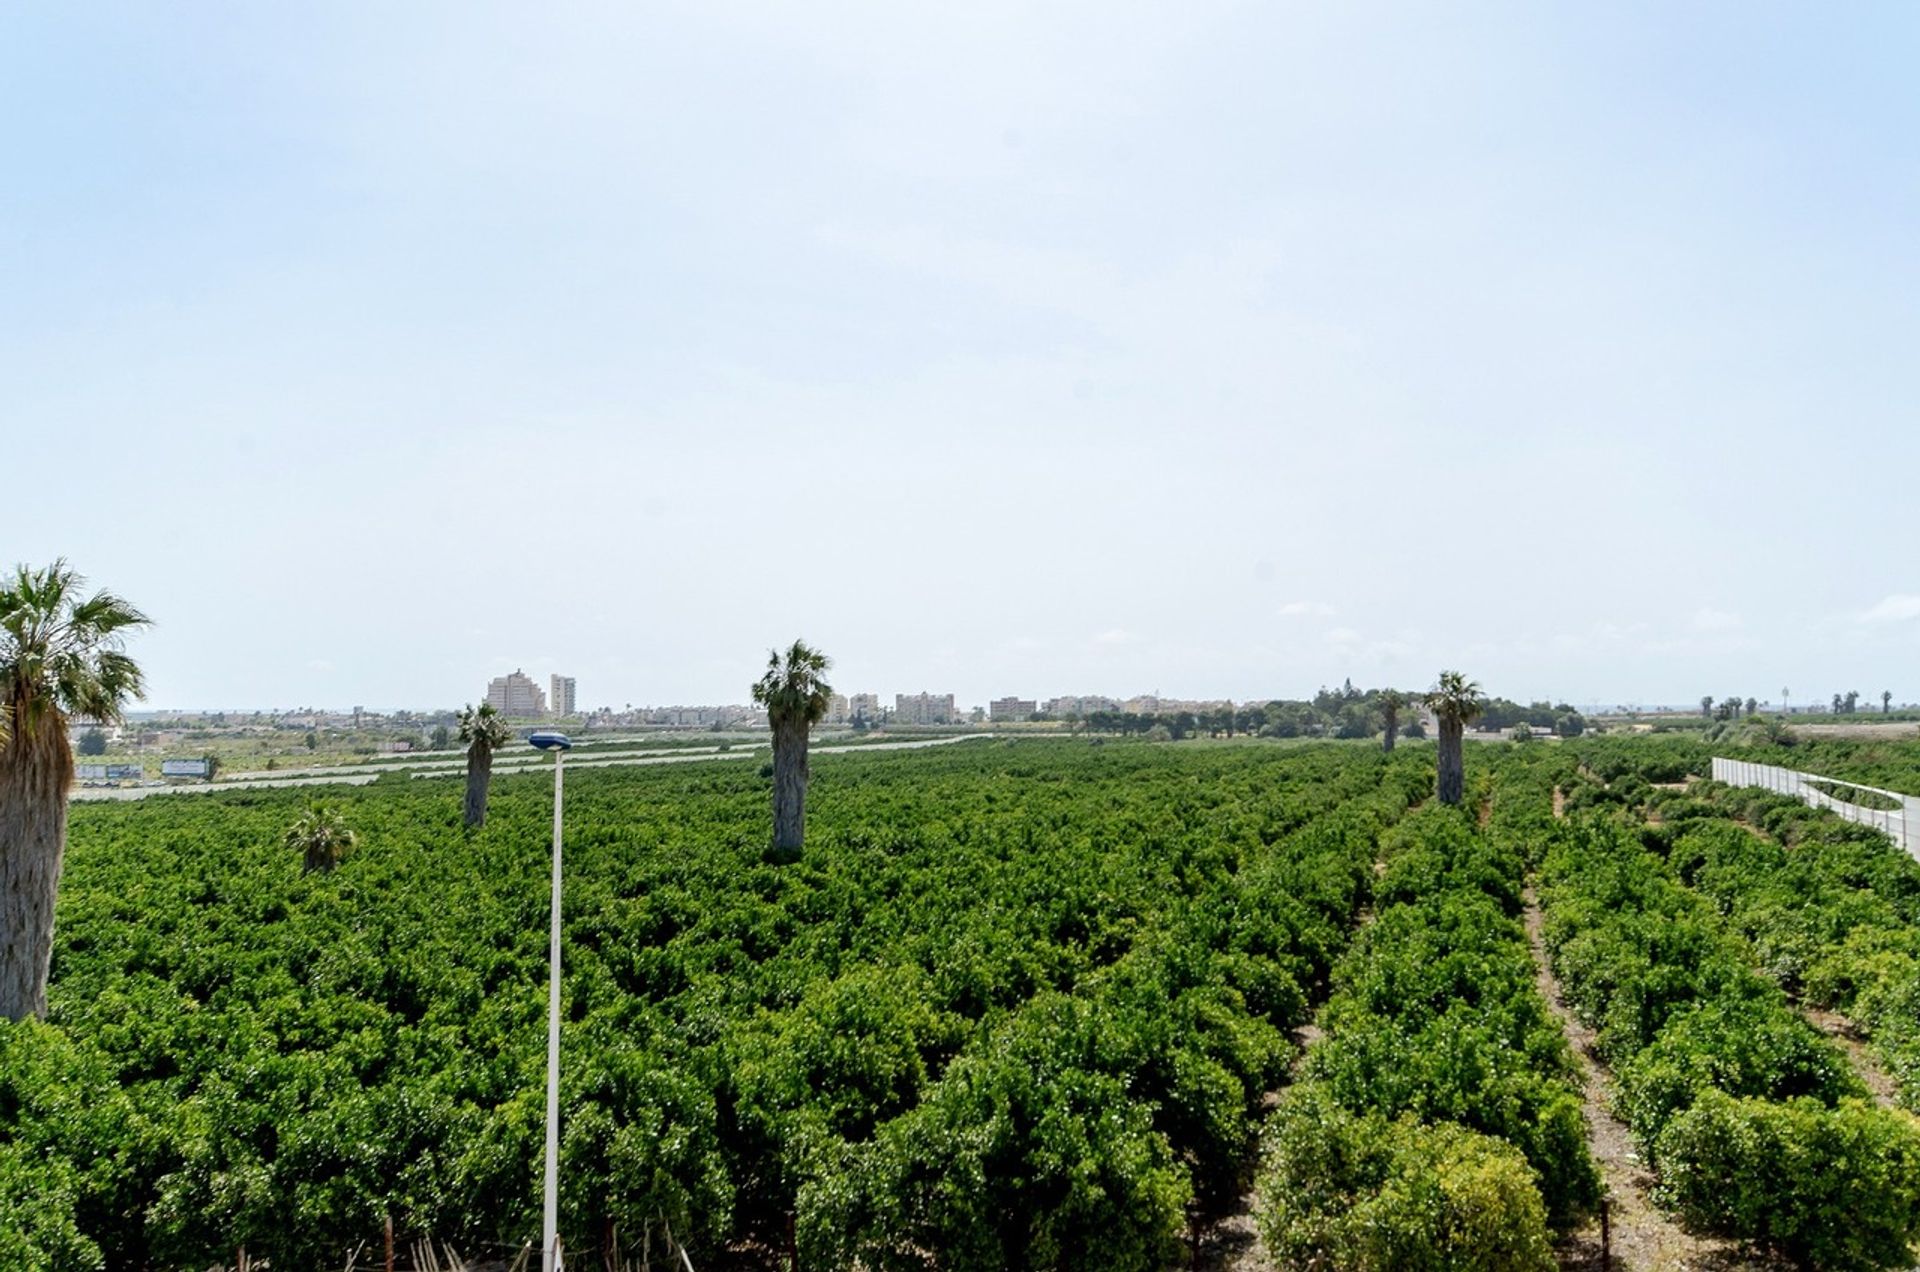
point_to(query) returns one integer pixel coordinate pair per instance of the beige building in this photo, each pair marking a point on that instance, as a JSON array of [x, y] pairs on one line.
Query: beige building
[[864, 706], [515, 694], [923, 708], [560, 695], [1007, 709]]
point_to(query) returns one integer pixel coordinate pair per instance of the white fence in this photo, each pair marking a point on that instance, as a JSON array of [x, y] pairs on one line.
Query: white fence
[[1902, 825]]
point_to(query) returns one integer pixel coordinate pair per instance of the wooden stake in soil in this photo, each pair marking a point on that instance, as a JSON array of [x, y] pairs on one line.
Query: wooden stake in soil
[[389, 1242]]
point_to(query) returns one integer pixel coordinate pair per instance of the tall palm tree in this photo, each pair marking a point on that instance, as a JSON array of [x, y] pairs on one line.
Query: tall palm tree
[[484, 731], [1391, 701], [61, 656], [795, 693], [321, 836], [1456, 701], [1886, 701]]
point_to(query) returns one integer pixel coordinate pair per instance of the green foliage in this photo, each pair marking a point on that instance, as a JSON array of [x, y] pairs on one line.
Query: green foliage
[[1754, 1122], [92, 742], [1019, 1003], [1365, 1193], [481, 727], [321, 837], [62, 654], [1740, 1047], [794, 687], [1435, 1019], [1833, 1188]]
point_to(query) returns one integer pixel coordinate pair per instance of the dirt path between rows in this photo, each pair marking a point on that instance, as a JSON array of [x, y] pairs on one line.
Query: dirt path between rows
[[1641, 1237], [1233, 1244], [1885, 1090]]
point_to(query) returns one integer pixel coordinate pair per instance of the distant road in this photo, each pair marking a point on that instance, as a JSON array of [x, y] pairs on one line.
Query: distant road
[[359, 775]]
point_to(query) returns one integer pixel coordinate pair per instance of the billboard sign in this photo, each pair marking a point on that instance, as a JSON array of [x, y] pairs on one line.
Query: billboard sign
[[184, 768], [110, 772]]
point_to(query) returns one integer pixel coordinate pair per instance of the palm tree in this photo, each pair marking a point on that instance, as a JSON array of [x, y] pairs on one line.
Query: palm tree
[[1886, 701], [795, 693], [60, 656], [321, 836], [1456, 701], [482, 729], [1706, 707], [1391, 700]]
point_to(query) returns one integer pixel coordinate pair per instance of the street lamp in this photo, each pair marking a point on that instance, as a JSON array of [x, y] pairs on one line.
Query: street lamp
[[559, 744]]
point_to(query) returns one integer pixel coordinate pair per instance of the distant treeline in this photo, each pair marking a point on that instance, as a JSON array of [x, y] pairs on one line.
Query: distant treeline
[[1345, 712]]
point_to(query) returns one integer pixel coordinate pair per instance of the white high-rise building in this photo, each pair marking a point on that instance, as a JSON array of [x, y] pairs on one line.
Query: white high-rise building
[[516, 695], [560, 695]]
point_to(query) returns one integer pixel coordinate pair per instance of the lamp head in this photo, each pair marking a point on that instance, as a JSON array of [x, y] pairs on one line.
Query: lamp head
[[550, 740]]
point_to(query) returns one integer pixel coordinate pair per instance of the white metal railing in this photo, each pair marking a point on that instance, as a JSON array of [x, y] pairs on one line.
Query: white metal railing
[[1902, 825]]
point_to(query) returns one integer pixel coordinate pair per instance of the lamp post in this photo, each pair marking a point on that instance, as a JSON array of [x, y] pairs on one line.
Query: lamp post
[[559, 744]]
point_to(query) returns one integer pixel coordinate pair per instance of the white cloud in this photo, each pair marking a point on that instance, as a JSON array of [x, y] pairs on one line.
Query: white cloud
[[1708, 619], [1901, 607], [1315, 609], [1115, 636]]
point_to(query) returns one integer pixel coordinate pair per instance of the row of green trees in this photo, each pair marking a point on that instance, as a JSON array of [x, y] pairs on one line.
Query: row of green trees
[[1830, 908], [1438, 1123], [1019, 1002], [1756, 1125]]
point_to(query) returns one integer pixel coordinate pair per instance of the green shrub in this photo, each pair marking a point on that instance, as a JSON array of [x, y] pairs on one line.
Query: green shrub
[[1828, 1188], [1752, 1048], [37, 1221], [1363, 1193]]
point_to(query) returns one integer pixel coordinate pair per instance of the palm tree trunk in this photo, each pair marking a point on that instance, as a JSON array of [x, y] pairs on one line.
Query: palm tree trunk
[[1393, 731], [36, 771], [789, 788], [479, 776], [1451, 785]]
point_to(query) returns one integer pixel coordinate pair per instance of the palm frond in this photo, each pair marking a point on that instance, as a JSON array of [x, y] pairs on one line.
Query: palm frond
[[1456, 698], [61, 652], [795, 688]]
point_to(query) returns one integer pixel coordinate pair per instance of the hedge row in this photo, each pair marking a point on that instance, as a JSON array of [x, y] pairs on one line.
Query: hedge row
[[1756, 1125], [1830, 908], [1437, 1124]]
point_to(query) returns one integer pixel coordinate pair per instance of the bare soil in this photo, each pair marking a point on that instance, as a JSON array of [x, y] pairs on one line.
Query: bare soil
[[1843, 1031]]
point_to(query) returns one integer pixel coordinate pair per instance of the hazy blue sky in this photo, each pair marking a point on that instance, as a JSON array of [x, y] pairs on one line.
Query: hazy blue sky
[[1219, 349]]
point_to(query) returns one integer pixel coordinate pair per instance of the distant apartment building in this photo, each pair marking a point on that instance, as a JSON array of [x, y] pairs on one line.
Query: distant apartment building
[[1080, 705], [836, 708], [1011, 709], [702, 717], [515, 694], [864, 707], [560, 695], [923, 708]]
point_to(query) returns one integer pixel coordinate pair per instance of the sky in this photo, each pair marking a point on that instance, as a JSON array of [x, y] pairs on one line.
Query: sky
[[1223, 350]]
